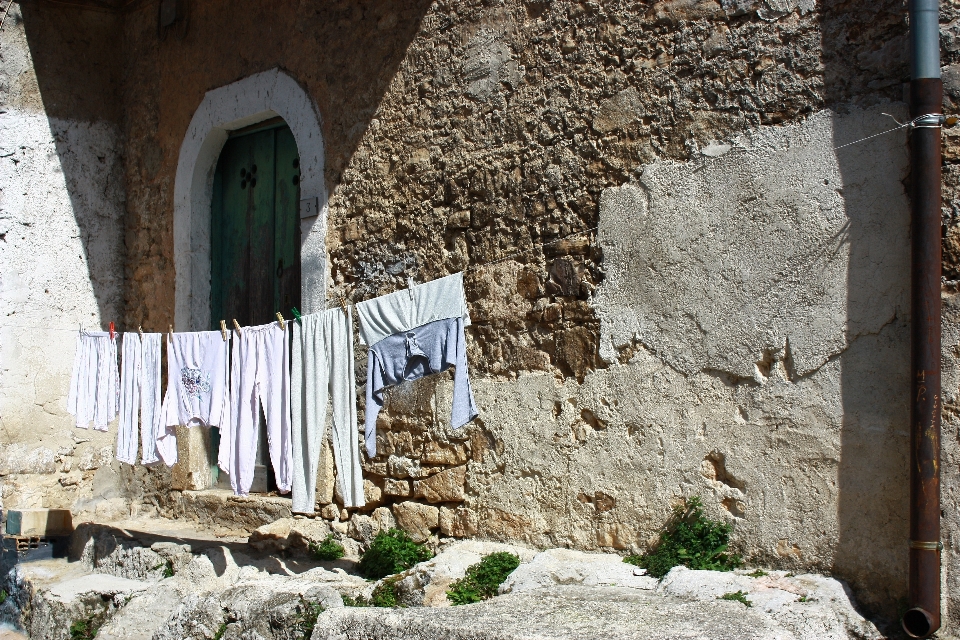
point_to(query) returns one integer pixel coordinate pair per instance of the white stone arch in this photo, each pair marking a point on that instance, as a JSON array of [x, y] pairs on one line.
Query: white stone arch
[[248, 101]]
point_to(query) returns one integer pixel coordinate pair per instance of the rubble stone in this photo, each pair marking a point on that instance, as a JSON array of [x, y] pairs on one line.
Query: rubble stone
[[446, 486], [417, 519]]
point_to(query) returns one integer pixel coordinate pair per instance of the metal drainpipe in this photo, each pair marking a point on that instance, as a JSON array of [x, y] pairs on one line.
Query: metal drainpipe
[[926, 96]]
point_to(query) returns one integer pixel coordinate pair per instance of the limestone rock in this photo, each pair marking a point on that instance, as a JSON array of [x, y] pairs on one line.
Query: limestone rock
[[372, 494], [446, 486], [393, 487], [436, 453], [566, 567], [330, 512], [364, 528], [417, 519], [94, 597], [558, 613], [459, 523], [426, 583], [295, 534], [826, 609]]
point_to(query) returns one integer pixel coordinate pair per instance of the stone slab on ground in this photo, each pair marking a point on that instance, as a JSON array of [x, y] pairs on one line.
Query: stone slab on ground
[[568, 567], [555, 613]]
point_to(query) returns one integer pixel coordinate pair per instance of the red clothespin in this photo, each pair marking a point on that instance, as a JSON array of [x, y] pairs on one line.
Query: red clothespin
[[112, 332]]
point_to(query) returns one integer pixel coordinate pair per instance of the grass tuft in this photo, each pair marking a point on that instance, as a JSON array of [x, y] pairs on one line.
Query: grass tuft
[[384, 595], [307, 614], [689, 539], [482, 579], [738, 596], [329, 549], [83, 630], [759, 573], [391, 552]]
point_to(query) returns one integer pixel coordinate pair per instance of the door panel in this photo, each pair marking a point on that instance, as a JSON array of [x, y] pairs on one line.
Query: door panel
[[287, 238], [255, 268], [255, 245]]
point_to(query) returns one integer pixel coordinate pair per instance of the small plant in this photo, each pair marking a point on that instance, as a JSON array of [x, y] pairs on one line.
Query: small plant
[[359, 601], [3, 595], [167, 568], [482, 579], [391, 552], [385, 594], [692, 540], [83, 630], [738, 596], [759, 573], [329, 549], [222, 629], [307, 614]]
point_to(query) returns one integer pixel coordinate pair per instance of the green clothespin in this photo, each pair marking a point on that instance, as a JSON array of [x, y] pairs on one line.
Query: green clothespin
[[297, 316]]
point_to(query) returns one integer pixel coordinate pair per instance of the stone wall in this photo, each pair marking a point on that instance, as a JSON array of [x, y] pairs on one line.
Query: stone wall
[[61, 245], [731, 323]]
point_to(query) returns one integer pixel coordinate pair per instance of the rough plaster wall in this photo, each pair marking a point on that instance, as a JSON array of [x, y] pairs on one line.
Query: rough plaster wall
[[61, 265], [778, 275]]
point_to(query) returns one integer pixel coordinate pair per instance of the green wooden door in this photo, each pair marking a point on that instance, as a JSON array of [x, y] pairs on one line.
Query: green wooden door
[[255, 227], [255, 244]]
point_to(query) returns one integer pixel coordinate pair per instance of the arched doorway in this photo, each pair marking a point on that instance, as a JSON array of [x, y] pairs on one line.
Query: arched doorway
[[259, 110]]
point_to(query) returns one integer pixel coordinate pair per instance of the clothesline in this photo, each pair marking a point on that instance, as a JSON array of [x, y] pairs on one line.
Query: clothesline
[[469, 269]]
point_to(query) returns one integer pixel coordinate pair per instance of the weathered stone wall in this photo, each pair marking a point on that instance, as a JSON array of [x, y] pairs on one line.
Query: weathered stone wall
[[61, 245], [736, 325]]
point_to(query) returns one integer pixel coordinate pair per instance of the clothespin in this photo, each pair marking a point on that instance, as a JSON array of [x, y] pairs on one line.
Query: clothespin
[[223, 329], [237, 326], [112, 332], [410, 286], [283, 325], [297, 316]]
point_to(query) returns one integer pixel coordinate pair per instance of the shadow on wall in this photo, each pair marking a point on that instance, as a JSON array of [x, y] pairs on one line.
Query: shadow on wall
[[76, 57], [864, 53]]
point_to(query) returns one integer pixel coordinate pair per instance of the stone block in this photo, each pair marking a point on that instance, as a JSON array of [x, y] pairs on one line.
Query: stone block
[[436, 453], [446, 486], [458, 523], [417, 519], [392, 487], [39, 522], [330, 512]]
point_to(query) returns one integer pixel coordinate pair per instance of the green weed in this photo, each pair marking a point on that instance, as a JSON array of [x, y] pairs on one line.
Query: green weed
[[3, 595], [329, 549], [689, 539], [738, 596], [220, 631], [307, 614], [167, 568], [384, 595], [759, 573], [359, 601], [83, 630], [391, 552], [482, 579]]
